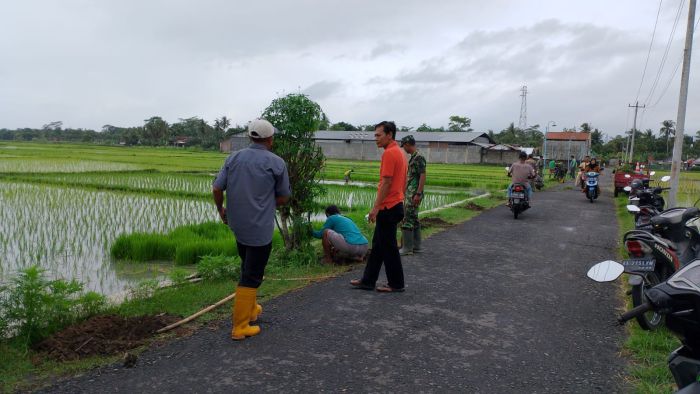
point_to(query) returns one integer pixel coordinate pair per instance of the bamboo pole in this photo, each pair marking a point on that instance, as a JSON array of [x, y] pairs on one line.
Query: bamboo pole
[[196, 315]]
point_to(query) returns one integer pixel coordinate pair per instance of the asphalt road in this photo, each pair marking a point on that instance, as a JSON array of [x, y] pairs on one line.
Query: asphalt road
[[495, 305]]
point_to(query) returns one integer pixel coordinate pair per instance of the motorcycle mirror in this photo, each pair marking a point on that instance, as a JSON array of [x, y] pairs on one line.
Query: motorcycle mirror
[[606, 271], [628, 176], [665, 178], [652, 173], [627, 189], [633, 209]]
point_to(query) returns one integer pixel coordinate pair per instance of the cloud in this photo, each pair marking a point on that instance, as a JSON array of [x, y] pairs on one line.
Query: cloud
[[322, 89], [119, 62], [384, 49]]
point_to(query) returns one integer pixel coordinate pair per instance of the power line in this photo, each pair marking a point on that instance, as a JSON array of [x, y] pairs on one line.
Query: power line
[[675, 71], [665, 55], [646, 63]]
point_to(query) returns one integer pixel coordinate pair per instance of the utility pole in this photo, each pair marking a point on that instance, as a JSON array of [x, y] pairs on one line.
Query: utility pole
[[682, 101], [636, 107]]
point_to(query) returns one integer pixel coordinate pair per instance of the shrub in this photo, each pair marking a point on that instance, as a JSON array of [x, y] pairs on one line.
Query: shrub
[[144, 289], [219, 267], [192, 252], [91, 304], [178, 276], [33, 307]]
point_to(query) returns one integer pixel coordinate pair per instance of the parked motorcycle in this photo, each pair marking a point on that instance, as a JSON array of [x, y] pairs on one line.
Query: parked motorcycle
[[677, 300], [592, 189], [674, 241], [538, 181], [646, 202]]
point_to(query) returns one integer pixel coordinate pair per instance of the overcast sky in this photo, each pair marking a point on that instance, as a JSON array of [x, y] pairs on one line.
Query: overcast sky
[[91, 63]]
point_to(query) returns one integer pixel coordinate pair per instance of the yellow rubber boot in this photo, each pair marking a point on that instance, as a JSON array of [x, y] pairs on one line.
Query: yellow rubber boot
[[242, 312], [257, 311]]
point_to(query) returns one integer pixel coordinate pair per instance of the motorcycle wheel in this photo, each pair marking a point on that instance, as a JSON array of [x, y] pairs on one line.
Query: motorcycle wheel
[[649, 321], [515, 213]]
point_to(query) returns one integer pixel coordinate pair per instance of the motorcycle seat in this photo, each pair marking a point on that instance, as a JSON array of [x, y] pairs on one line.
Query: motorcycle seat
[[648, 236], [674, 216]]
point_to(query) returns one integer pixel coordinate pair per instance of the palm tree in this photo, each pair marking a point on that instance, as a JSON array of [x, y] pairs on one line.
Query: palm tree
[[667, 130], [222, 124]]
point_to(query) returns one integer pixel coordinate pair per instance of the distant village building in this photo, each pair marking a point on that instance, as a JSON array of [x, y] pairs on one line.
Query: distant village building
[[437, 147], [561, 145], [181, 141]]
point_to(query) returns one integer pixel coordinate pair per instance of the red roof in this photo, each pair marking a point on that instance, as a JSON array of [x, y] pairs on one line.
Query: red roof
[[568, 135]]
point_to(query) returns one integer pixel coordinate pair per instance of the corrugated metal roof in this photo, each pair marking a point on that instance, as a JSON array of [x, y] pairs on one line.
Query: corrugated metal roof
[[568, 135], [447, 136]]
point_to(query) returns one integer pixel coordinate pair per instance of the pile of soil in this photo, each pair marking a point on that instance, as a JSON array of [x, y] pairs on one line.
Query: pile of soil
[[473, 207], [434, 222], [103, 335]]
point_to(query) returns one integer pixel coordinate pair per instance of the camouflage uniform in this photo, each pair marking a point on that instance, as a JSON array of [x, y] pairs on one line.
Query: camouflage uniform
[[416, 167]]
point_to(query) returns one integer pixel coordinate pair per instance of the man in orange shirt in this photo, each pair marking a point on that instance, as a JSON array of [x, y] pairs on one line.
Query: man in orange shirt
[[387, 213]]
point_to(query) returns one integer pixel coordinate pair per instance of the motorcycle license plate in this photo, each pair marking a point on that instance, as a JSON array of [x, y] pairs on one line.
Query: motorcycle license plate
[[639, 265], [518, 195]]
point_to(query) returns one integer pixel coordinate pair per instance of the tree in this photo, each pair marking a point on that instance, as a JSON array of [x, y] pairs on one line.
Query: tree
[[667, 130], [325, 123], [596, 139], [297, 117], [424, 127], [405, 128], [343, 126], [459, 123], [155, 131], [221, 125], [585, 127], [53, 125]]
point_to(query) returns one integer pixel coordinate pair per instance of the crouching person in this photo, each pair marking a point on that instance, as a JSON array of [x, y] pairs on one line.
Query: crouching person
[[342, 239], [256, 182]]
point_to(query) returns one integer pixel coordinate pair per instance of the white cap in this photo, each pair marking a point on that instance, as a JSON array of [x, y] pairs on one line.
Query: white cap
[[260, 128]]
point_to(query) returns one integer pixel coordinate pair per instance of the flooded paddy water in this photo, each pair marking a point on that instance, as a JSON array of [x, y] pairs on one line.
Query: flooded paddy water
[[69, 231]]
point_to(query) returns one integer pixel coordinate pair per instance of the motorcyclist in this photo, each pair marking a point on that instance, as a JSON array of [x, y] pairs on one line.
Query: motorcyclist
[[591, 166], [521, 172], [582, 169]]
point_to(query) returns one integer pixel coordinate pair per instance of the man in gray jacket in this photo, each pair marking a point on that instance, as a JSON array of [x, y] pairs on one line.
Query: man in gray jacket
[[256, 182]]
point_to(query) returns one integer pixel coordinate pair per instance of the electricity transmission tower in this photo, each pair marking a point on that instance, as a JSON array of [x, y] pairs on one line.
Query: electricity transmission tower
[[522, 123]]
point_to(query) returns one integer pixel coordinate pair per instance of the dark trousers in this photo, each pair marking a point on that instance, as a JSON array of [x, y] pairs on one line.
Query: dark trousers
[[253, 262], [385, 249]]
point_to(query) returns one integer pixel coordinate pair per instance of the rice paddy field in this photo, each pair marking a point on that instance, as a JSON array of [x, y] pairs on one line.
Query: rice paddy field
[[62, 206], [689, 187]]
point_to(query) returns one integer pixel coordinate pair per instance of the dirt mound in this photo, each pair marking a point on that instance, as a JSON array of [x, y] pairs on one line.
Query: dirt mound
[[473, 207], [103, 335], [434, 222]]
